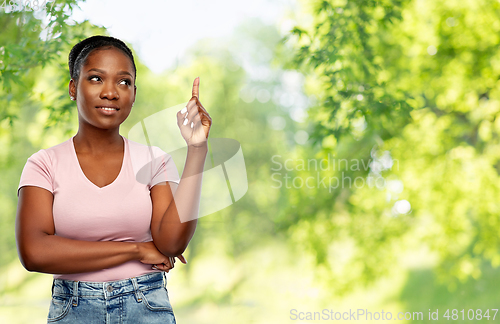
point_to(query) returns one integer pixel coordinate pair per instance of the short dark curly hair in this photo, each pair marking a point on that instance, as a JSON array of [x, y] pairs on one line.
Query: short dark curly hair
[[79, 53]]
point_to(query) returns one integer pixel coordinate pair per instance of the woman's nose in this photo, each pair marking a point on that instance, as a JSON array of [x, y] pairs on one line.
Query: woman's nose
[[109, 91]]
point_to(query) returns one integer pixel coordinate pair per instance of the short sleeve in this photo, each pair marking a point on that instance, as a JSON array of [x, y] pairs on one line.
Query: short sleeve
[[37, 172], [163, 168]]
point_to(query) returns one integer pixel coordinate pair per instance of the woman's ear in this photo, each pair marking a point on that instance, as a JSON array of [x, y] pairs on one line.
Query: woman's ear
[[72, 89]]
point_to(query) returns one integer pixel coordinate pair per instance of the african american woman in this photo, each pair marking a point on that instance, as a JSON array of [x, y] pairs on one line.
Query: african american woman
[[84, 217]]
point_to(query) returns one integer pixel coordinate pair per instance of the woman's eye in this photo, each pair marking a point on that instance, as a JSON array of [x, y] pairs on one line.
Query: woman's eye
[[94, 78], [127, 82]]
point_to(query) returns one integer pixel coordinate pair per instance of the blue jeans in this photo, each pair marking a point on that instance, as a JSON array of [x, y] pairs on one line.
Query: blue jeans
[[142, 299]]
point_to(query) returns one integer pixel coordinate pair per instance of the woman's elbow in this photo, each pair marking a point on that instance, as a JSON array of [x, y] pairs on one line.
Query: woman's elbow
[[32, 255], [170, 249], [29, 261]]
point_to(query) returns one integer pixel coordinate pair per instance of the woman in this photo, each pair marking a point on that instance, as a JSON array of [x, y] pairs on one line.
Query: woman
[[84, 216]]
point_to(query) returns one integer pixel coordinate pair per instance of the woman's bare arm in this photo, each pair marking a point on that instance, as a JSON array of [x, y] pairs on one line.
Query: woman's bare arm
[[42, 251], [176, 207]]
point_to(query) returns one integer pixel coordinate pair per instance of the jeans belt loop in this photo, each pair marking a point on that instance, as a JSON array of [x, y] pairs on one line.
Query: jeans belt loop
[[136, 289], [75, 293]]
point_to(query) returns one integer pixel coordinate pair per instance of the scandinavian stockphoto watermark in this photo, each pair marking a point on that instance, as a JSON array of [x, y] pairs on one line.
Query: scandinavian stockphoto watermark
[[353, 315], [360, 314], [301, 173]]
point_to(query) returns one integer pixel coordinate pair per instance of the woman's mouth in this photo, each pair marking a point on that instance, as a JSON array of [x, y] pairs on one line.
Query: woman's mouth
[[108, 110]]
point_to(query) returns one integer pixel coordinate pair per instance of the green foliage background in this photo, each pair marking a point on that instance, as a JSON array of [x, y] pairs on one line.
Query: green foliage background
[[406, 93]]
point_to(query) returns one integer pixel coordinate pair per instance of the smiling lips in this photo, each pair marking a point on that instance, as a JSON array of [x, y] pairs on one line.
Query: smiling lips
[[106, 110]]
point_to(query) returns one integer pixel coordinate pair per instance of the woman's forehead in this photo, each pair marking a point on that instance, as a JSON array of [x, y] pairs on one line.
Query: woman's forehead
[[108, 58]]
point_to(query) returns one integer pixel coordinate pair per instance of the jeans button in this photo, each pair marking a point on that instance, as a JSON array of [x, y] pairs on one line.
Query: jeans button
[[110, 288]]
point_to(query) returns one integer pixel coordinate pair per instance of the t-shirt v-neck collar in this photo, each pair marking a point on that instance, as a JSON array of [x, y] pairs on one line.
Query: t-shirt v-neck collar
[[122, 169]]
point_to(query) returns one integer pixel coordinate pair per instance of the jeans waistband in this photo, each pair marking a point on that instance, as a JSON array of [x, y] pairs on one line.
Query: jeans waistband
[[109, 289]]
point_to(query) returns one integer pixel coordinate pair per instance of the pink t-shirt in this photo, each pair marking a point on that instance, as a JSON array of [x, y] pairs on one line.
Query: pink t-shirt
[[120, 211]]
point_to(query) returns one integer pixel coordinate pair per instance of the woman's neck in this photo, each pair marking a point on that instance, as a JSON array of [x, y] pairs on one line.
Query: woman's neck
[[99, 142]]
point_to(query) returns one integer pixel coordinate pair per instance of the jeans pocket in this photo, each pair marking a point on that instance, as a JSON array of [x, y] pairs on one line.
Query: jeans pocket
[[59, 307], [157, 299]]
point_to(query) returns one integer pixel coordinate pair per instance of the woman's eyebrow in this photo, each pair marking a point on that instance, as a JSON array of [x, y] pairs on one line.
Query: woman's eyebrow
[[104, 72], [124, 72], [97, 70]]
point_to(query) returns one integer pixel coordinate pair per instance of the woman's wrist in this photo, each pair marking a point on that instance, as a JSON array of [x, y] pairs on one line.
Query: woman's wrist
[[136, 251], [202, 148]]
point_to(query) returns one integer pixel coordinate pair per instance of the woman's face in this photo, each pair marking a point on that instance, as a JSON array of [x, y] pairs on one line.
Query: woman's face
[[106, 81]]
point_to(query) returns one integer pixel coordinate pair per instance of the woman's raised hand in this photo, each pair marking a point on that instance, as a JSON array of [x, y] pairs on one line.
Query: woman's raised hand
[[193, 120]]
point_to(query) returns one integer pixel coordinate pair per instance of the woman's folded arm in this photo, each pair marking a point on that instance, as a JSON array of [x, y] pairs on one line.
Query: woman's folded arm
[[42, 251]]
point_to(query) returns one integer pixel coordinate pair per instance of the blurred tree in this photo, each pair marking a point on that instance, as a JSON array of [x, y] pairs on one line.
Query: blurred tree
[[412, 88], [29, 39]]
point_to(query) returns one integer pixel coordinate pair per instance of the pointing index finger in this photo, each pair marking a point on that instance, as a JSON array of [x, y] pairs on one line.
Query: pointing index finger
[[196, 87]]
